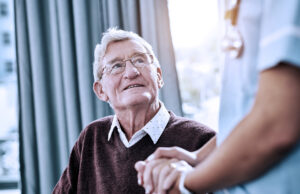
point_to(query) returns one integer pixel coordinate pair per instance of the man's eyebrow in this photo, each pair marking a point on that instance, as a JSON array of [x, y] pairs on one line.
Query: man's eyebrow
[[121, 59], [114, 60]]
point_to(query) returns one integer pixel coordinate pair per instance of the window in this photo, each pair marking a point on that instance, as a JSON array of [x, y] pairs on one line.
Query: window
[[9, 146], [6, 38], [9, 141], [9, 67], [3, 9], [195, 38]]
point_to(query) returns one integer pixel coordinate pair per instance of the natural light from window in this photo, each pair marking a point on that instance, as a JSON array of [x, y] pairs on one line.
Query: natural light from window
[[194, 28], [9, 143]]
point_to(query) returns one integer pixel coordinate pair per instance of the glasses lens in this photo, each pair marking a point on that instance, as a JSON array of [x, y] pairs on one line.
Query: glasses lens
[[117, 67], [140, 60]]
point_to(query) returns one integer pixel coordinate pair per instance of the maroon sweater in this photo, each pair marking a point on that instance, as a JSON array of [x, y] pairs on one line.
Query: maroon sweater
[[100, 166]]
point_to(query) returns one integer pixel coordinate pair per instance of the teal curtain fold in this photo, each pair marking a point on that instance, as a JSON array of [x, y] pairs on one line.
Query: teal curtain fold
[[55, 47]]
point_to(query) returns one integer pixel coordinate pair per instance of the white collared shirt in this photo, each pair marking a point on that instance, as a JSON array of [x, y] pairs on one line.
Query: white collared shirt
[[154, 128]]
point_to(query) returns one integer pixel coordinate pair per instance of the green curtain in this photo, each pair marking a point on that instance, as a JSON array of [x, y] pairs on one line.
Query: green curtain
[[55, 42]]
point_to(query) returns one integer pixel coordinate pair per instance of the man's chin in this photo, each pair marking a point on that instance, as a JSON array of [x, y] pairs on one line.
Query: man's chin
[[137, 99]]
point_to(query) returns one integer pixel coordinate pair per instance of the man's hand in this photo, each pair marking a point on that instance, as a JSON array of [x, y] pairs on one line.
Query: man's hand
[[193, 158], [161, 175], [162, 152]]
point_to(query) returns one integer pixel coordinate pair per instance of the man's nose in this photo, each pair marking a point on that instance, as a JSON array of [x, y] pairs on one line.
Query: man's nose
[[130, 70]]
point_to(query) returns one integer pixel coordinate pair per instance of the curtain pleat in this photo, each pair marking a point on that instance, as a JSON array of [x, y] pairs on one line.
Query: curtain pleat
[[55, 43], [29, 160]]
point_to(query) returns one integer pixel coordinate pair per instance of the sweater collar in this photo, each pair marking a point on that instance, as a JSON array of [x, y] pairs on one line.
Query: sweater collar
[[154, 128]]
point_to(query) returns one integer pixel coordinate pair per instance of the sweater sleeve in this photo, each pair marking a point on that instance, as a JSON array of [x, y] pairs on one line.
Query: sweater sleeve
[[68, 181]]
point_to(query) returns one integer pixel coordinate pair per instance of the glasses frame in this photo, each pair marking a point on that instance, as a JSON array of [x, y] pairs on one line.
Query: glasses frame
[[108, 68]]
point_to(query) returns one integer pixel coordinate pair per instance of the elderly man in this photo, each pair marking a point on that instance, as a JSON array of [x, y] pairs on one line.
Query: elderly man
[[128, 77]]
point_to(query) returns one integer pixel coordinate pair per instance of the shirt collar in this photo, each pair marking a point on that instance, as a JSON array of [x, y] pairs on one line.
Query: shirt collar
[[154, 128]]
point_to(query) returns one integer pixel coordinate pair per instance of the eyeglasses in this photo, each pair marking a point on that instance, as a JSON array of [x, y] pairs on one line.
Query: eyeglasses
[[139, 60]]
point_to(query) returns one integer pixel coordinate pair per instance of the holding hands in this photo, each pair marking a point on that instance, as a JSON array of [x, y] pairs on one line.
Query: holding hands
[[162, 171]]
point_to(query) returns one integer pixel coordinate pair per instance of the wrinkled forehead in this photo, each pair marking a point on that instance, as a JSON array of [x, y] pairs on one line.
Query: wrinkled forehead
[[123, 49]]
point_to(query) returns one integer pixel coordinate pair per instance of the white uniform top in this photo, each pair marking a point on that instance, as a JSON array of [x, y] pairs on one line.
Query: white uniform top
[[271, 34]]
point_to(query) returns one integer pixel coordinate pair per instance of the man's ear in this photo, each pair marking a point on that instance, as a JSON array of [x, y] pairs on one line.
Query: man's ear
[[160, 80], [98, 89]]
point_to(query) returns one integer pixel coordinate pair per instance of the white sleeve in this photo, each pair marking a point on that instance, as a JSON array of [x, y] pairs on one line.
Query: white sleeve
[[280, 33]]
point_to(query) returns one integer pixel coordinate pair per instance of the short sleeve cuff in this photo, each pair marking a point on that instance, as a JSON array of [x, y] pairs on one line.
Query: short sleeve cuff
[[283, 45]]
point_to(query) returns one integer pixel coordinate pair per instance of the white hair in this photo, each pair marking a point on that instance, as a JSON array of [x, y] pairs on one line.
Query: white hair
[[115, 35]]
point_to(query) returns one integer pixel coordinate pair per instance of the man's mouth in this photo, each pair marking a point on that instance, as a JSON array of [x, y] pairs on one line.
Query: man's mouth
[[133, 86]]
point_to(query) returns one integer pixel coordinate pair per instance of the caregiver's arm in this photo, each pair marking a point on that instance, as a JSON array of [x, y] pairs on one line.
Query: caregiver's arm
[[263, 138]]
